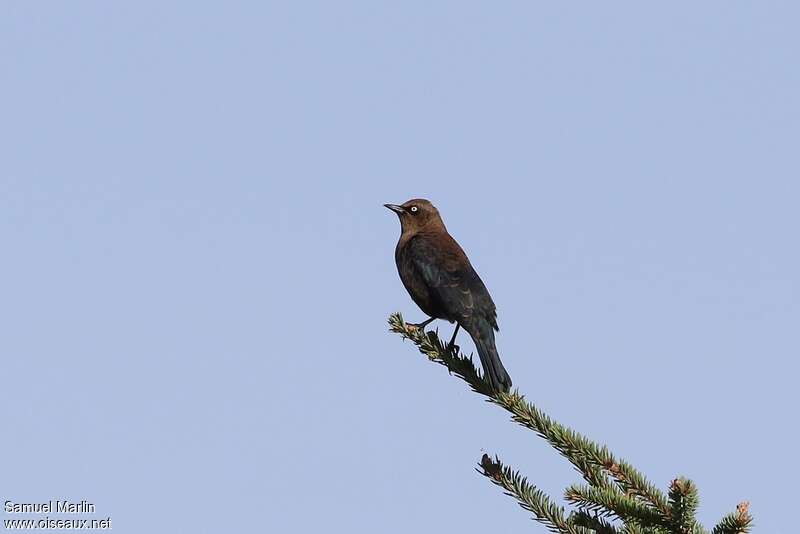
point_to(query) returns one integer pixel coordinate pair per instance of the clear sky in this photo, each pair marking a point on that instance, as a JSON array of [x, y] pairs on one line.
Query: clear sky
[[197, 269]]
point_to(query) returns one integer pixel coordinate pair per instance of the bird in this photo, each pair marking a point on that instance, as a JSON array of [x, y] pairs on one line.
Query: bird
[[442, 282]]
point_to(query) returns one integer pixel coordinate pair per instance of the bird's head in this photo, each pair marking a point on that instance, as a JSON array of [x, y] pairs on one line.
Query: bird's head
[[416, 214]]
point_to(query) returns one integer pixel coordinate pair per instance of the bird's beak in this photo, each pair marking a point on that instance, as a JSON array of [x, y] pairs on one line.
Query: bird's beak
[[395, 208]]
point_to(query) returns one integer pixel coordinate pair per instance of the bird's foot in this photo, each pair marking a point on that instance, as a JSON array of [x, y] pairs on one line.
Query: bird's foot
[[422, 325]]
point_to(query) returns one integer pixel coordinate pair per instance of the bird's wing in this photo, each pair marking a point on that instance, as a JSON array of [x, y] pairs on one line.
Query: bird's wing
[[451, 279]]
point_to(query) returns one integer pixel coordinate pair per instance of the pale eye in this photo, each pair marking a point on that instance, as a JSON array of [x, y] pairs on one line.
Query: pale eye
[[414, 209]]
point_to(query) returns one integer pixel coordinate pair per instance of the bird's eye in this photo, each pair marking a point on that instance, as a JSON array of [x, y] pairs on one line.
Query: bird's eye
[[414, 209]]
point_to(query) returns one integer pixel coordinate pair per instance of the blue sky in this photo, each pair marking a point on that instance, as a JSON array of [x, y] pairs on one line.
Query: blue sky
[[197, 267]]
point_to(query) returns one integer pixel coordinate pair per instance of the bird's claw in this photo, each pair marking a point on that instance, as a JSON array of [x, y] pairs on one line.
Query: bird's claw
[[420, 326]]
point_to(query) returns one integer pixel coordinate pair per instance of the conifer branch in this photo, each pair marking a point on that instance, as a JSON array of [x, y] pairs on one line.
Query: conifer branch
[[683, 502], [633, 483], [608, 502], [738, 522], [590, 459], [594, 522], [633, 528], [529, 497], [615, 488]]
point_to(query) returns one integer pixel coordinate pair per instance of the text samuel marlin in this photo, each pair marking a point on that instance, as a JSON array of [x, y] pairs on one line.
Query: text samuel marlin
[[49, 507]]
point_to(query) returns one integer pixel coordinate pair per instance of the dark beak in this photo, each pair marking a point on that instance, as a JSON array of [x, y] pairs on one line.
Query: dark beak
[[395, 208]]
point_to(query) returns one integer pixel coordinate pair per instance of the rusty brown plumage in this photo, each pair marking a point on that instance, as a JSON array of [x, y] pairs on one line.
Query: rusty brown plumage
[[442, 282]]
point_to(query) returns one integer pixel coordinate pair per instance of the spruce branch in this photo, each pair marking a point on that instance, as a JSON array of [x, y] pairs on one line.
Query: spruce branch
[[738, 522], [635, 484], [608, 502], [683, 502], [633, 528], [529, 497], [592, 521], [616, 489], [591, 460]]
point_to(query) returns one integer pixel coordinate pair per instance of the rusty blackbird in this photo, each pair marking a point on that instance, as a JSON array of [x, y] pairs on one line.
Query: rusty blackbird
[[442, 282]]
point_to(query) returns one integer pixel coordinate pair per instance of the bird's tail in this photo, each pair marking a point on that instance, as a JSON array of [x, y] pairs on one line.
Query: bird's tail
[[493, 370]]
